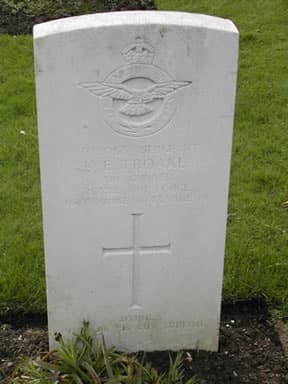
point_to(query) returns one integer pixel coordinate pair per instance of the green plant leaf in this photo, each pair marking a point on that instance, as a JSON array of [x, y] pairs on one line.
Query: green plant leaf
[[106, 359]]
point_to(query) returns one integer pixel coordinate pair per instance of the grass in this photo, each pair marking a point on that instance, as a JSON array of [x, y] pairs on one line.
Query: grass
[[22, 284], [257, 237]]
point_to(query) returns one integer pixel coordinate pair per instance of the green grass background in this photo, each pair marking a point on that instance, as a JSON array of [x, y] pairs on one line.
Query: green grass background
[[257, 237]]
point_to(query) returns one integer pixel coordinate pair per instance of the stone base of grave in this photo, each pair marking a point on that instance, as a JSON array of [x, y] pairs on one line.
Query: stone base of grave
[[250, 350]]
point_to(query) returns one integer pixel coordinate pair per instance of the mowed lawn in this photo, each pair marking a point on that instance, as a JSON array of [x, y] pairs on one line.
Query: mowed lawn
[[257, 238]]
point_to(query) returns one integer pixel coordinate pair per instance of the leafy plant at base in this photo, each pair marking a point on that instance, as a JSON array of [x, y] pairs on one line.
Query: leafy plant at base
[[79, 361]]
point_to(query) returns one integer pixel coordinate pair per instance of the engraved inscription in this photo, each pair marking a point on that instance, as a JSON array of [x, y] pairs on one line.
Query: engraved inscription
[[90, 166], [136, 251], [149, 322], [140, 149], [137, 98], [162, 192], [152, 174]]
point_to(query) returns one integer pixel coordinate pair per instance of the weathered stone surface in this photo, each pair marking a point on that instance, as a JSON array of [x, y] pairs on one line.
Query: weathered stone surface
[[135, 115]]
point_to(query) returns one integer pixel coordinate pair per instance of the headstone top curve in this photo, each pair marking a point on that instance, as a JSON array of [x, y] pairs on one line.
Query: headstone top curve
[[132, 18]]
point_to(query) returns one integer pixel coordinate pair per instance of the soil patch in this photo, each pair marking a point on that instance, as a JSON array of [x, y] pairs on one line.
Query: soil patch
[[250, 350], [18, 17], [282, 329]]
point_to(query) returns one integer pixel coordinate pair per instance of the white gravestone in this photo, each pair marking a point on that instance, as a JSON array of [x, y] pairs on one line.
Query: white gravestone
[[135, 114]]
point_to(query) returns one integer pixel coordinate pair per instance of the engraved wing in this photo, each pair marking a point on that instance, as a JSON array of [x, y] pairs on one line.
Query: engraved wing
[[161, 90], [136, 100], [112, 90]]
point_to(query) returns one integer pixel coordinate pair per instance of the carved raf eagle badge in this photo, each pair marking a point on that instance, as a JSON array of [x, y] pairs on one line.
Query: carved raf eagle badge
[[138, 99]]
